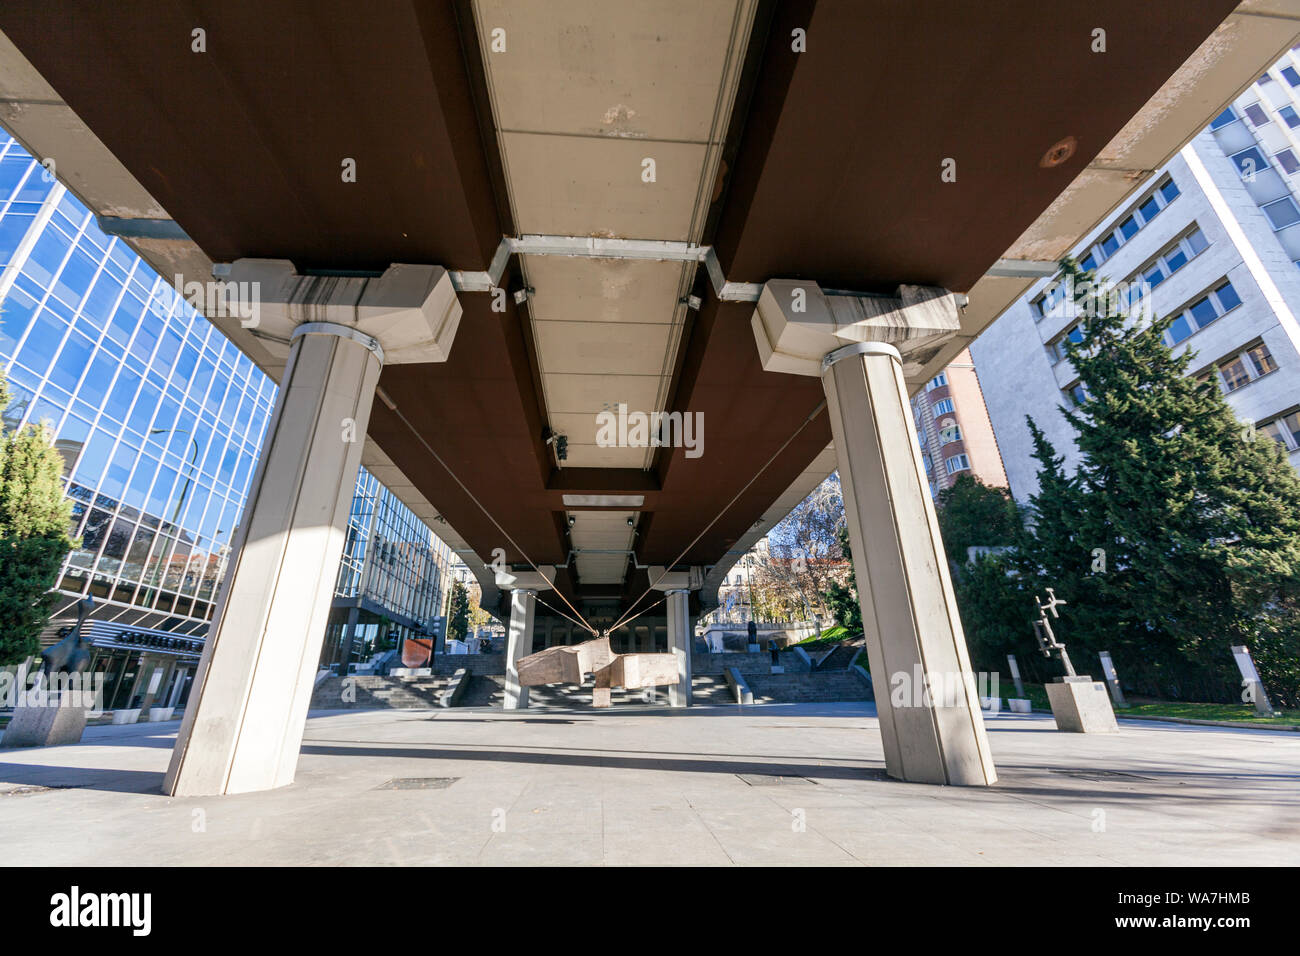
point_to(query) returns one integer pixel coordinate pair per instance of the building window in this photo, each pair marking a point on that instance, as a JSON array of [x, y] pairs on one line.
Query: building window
[[1257, 115], [1174, 258], [1261, 359], [1105, 247], [1077, 393], [1244, 367], [957, 463], [1056, 350], [1291, 423], [1291, 75], [1250, 163], [1234, 373], [1289, 116], [1223, 119], [1202, 312], [938, 381], [1282, 213], [949, 431], [1275, 431], [943, 407], [1286, 159]]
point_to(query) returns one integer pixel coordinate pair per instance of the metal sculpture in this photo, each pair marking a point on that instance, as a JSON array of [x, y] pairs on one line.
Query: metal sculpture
[[72, 654]]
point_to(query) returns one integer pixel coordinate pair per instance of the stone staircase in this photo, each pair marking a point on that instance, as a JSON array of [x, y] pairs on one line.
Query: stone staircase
[[375, 692], [818, 687], [840, 658]]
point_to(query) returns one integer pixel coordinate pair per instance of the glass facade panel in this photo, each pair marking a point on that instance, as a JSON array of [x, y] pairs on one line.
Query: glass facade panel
[[159, 420]]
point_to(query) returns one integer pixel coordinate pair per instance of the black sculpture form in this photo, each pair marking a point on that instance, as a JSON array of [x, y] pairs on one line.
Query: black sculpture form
[[72, 654]]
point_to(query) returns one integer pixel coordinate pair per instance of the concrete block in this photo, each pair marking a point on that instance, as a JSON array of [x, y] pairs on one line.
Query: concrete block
[[126, 716], [1020, 705], [44, 726], [1081, 705]]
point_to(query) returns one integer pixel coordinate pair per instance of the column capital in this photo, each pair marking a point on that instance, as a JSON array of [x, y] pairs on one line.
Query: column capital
[[797, 324], [669, 582], [543, 579], [410, 311]]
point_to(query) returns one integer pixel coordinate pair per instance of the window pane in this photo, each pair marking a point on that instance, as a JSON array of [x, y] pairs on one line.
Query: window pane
[[1176, 260], [1234, 374], [1250, 163], [1154, 276], [1262, 359], [1292, 424], [1109, 245], [1203, 312], [1291, 75], [1289, 116], [1129, 227], [1089, 262], [1179, 329], [1282, 213], [1149, 209], [1170, 191], [1274, 431], [1286, 159], [1223, 119], [1197, 242], [1228, 297], [1257, 116]]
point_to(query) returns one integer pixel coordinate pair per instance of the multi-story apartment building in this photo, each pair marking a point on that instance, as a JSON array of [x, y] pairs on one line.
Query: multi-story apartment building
[[953, 428], [1215, 234], [159, 420]]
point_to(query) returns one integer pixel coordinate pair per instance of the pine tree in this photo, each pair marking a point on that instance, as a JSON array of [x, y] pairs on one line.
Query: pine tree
[[972, 513], [34, 519], [1178, 536], [457, 613], [1197, 519], [842, 599]]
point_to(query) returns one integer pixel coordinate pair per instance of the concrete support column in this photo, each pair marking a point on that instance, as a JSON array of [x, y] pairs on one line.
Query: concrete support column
[[679, 642], [519, 644], [909, 612], [257, 672], [926, 698], [677, 587], [243, 728], [523, 587]]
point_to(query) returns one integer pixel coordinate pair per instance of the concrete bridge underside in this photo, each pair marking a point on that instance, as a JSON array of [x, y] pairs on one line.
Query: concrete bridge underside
[[477, 225]]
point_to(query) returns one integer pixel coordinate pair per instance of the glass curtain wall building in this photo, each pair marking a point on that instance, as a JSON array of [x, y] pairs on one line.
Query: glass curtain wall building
[[159, 419], [392, 579]]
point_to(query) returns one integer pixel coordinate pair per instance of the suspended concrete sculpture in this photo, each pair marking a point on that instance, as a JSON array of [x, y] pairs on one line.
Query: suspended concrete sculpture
[[569, 664]]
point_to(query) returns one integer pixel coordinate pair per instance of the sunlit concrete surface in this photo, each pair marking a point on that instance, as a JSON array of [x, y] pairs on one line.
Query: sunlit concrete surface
[[653, 786]]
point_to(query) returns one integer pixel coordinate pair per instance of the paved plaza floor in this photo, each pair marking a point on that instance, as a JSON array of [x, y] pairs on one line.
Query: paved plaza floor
[[777, 784]]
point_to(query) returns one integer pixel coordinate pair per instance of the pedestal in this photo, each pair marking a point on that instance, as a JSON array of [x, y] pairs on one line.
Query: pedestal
[[45, 725], [1081, 706]]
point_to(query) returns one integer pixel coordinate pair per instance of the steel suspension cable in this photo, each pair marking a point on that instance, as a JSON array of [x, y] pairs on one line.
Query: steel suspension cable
[[668, 567], [438, 458]]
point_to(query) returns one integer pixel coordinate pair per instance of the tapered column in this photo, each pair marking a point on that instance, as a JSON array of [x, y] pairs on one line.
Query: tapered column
[[519, 644], [926, 696], [256, 676], [676, 587], [934, 732], [244, 721], [523, 587], [679, 642]]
